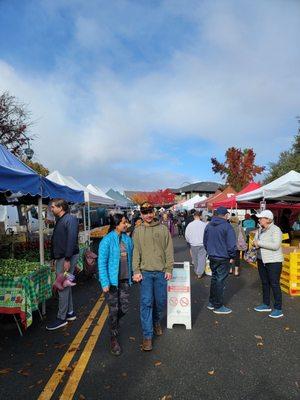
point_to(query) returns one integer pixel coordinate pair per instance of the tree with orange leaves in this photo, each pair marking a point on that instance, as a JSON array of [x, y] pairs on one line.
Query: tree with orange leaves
[[239, 168]]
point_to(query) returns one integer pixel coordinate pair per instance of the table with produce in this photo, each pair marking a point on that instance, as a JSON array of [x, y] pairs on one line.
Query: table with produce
[[23, 286]]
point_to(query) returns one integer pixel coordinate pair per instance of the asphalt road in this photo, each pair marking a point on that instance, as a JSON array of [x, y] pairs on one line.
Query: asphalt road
[[241, 356]]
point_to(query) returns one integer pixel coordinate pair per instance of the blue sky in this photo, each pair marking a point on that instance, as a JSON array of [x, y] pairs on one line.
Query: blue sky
[[141, 94]]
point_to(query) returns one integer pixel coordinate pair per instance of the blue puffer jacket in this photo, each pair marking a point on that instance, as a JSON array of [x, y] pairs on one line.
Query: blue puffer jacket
[[109, 258]]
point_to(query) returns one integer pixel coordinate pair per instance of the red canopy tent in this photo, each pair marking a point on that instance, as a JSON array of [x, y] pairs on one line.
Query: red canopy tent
[[227, 193], [231, 201]]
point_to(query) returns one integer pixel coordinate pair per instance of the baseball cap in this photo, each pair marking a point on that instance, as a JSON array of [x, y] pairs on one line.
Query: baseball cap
[[222, 211], [265, 214], [146, 208]]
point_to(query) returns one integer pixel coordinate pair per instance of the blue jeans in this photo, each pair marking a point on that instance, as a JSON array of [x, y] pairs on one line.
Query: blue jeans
[[153, 300], [220, 270], [270, 278]]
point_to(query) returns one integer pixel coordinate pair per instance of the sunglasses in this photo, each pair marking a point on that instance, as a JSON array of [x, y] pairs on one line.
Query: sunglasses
[[147, 211]]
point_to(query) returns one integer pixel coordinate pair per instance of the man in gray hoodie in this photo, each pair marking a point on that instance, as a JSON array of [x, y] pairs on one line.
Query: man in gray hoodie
[[153, 259]]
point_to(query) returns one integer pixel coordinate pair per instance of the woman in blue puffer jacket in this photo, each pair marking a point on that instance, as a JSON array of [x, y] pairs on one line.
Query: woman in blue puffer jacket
[[115, 271]]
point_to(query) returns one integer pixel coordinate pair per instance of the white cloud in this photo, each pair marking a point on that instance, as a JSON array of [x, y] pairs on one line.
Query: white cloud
[[235, 83]]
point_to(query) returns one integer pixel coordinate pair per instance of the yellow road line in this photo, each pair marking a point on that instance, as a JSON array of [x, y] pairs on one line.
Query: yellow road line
[[60, 370], [78, 371]]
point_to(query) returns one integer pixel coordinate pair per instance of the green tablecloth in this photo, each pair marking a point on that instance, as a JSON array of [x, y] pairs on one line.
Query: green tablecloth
[[22, 295]]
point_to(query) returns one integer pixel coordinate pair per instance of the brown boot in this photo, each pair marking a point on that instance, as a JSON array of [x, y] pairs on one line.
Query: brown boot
[[157, 329], [115, 348], [147, 345]]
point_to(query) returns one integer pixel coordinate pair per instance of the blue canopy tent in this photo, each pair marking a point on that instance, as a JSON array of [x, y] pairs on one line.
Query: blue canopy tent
[[16, 177], [19, 184]]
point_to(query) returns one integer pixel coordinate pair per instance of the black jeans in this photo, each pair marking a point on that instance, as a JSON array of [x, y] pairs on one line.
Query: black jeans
[[220, 270], [118, 303], [270, 278]]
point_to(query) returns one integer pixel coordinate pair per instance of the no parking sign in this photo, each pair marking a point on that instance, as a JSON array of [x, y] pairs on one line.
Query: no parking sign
[[179, 296]]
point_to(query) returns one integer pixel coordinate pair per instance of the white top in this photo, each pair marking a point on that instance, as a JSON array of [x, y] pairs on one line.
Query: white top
[[269, 242], [194, 232]]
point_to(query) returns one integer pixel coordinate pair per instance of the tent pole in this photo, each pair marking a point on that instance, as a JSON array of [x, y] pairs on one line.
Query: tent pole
[[41, 231], [89, 222], [84, 218]]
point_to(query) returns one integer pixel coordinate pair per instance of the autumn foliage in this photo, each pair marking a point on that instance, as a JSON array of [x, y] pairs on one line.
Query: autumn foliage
[[239, 168], [157, 198]]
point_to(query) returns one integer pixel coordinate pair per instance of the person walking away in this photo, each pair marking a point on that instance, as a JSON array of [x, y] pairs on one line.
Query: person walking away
[[153, 259], [115, 272], [269, 260], [180, 227], [220, 243], [194, 236], [65, 253], [240, 242]]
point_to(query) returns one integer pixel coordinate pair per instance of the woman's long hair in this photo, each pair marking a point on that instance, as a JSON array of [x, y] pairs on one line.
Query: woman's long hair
[[114, 221]]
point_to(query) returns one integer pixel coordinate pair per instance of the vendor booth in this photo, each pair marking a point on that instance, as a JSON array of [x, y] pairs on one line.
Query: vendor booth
[[25, 285]]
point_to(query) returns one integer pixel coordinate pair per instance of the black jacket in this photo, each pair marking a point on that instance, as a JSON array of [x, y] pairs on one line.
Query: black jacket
[[64, 241]]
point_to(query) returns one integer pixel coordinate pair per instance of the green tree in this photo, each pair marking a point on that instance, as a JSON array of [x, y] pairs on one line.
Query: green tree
[[288, 160], [37, 167]]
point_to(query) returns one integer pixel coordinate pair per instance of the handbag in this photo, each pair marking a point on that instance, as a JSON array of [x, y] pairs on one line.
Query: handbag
[[251, 255]]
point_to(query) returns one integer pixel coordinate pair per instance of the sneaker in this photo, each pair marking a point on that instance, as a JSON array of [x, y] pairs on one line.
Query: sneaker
[[276, 313], [58, 323], [263, 308], [71, 316], [115, 348], [222, 310], [210, 306]]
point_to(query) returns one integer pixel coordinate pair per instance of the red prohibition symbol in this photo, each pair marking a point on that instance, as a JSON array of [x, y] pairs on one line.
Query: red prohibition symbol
[[184, 301], [173, 301]]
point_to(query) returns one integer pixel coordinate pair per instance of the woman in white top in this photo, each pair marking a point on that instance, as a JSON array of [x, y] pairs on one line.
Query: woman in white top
[[269, 259]]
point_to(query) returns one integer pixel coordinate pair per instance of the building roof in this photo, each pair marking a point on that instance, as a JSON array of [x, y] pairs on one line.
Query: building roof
[[202, 187]]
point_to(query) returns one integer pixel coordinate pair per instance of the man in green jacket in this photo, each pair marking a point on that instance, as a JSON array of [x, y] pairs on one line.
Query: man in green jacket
[[153, 259]]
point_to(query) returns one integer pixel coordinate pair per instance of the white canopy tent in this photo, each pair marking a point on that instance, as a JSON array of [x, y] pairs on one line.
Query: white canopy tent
[[89, 196], [98, 192], [189, 204], [283, 188]]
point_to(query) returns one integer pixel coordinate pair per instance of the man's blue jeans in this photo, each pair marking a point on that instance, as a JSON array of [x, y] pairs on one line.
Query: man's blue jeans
[[153, 300], [220, 270]]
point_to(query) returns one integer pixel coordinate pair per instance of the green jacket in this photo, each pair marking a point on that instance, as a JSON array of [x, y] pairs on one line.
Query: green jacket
[[153, 248]]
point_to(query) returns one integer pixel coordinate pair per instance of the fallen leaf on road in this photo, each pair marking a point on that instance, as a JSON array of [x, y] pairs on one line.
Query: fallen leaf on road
[[124, 374], [74, 364], [167, 397], [81, 397], [107, 387], [23, 372], [212, 372], [157, 363], [260, 344], [287, 328], [72, 349], [4, 371], [59, 345], [258, 337], [132, 338], [31, 386], [40, 354], [297, 384], [39, 382]]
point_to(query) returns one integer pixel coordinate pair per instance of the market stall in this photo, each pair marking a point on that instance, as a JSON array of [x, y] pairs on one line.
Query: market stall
[[190, 203], [23, 286]]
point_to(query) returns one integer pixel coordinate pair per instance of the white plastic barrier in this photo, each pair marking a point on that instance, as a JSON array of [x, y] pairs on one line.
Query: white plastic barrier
[[179, 296]]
